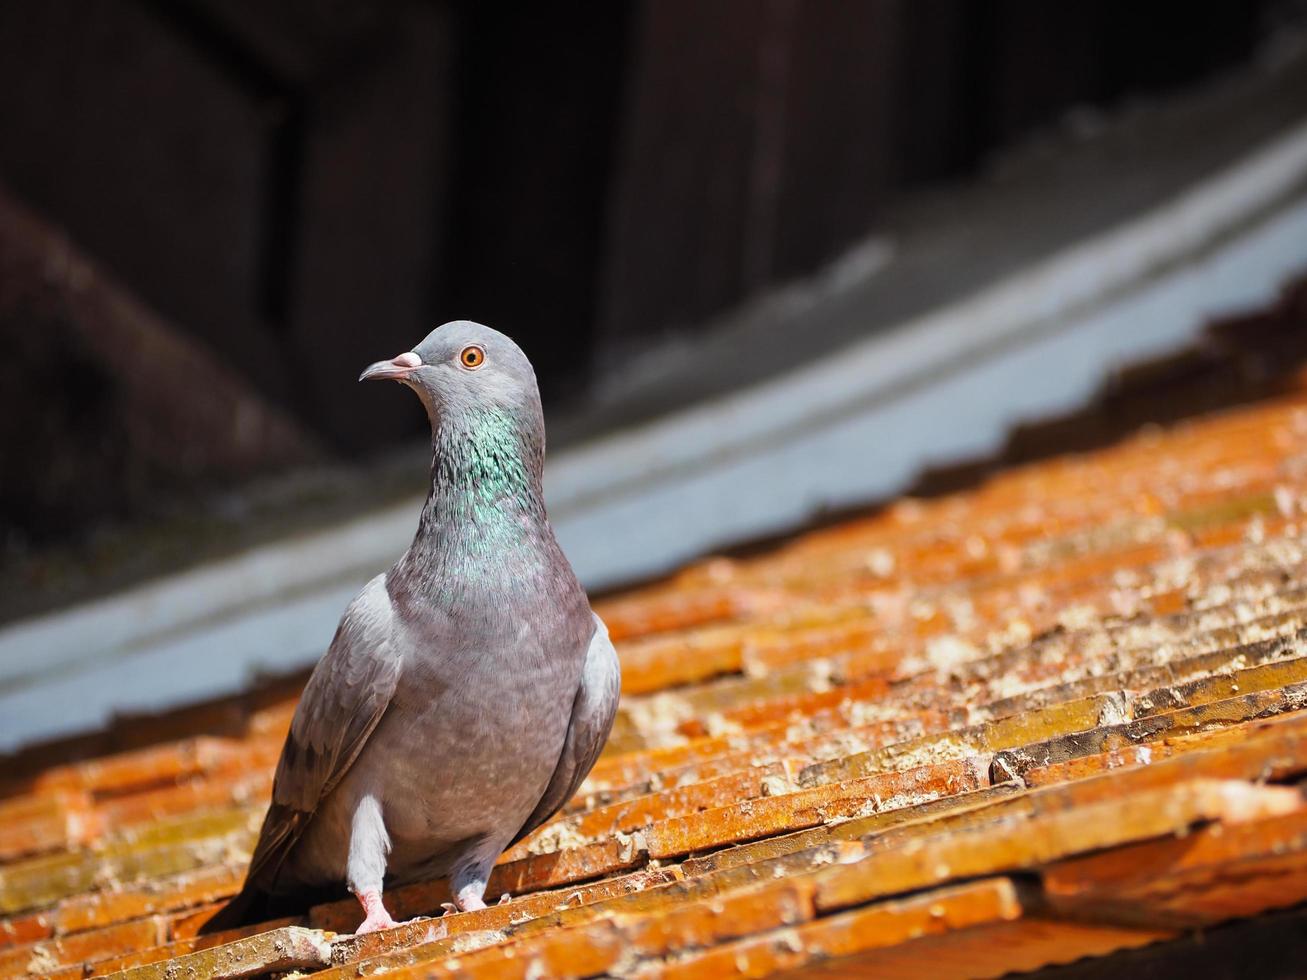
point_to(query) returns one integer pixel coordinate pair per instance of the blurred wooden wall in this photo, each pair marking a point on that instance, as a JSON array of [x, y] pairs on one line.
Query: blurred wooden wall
[[306, 186]]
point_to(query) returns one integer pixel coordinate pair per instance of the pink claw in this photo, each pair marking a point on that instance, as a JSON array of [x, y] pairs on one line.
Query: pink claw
[[377, 918]]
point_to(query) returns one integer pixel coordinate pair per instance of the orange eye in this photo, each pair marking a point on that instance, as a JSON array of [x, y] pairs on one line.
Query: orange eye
[[472, 357]]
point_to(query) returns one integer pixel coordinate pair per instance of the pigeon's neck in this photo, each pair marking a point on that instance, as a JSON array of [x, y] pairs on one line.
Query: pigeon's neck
[[485, 507], [486, 468]]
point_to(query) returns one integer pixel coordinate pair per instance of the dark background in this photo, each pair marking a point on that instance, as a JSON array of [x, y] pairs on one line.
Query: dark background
[[301, 187]]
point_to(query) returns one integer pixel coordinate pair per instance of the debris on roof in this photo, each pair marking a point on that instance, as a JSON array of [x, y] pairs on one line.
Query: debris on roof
[[1059, 714]]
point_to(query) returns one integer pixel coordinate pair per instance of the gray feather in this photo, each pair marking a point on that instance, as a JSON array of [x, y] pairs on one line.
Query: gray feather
[[592, 719], [346, 696]]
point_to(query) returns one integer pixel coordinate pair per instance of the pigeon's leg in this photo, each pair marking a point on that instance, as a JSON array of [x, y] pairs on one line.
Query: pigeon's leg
[[468, 879], [471, 896], [365, 869], [375, 916]]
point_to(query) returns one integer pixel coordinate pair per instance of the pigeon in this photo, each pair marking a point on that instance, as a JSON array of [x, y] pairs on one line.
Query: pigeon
[[468, 690]]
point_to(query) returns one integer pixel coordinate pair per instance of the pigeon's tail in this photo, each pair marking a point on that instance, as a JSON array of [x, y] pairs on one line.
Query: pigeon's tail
[[254, 905], [247, 908]]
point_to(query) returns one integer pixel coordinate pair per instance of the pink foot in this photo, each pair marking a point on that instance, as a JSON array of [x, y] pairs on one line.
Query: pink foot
[[377, 918], [467, 900]]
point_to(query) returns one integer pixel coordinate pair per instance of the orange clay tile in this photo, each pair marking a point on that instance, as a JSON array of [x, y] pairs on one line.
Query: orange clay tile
[[164, 850], [131, 770], [976, 917], [669, 610], [18, 929], [1074, 716], [1224, 871], [91, 909], [985, 848], [807, 808], [655, 663], [997, 949], [44, 823], [631, 815], [1013, 763], [283, 949], [1272, 749], [135, 956], [81, 947]]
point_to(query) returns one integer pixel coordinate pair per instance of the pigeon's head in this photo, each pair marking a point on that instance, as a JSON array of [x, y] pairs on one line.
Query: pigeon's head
[[461, 367]]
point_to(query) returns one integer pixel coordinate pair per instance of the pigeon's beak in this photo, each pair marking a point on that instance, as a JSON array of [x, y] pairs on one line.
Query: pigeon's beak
[[396, 369]]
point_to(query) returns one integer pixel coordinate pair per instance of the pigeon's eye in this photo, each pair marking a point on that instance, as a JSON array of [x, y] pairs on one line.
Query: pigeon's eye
[[472, 357]]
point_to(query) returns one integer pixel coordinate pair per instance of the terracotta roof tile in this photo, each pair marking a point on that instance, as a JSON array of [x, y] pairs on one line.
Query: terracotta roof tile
[[1058, 714]]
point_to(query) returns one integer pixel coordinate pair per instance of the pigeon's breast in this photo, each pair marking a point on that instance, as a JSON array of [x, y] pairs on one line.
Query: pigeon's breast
[[474, 732]]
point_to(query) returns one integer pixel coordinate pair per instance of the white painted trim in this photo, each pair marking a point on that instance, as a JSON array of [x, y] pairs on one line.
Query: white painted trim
[[749, 462]]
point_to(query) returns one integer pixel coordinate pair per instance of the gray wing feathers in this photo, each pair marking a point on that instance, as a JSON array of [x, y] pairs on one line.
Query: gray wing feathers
[[593, 711], [344, 700]]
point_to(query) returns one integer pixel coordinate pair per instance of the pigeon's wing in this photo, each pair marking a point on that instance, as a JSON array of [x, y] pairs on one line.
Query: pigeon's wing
[[593, 711], [344, 700]]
